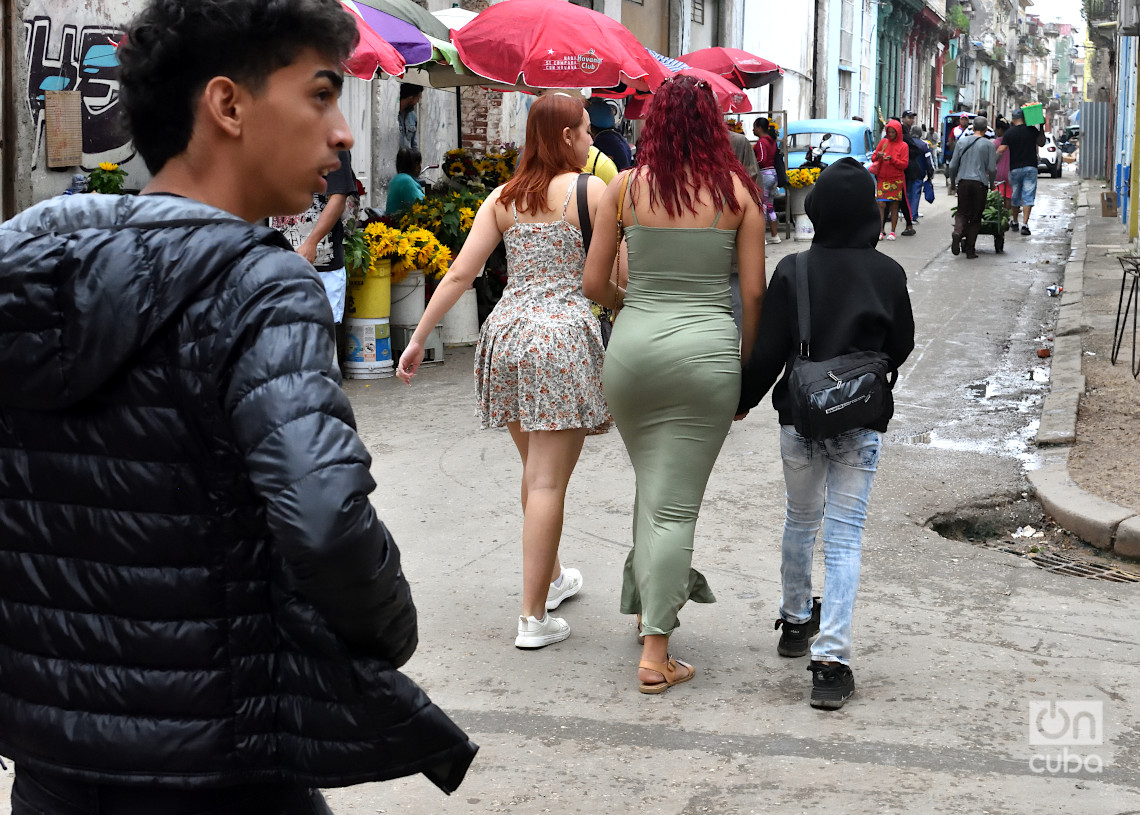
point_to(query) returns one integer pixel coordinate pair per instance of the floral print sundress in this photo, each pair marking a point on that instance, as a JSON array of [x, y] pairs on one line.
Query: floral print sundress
[[539, 357]]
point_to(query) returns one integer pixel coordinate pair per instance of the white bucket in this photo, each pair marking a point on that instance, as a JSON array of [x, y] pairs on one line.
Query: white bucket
[[369, 352], [461, 323], [408, 297], [805, 229]]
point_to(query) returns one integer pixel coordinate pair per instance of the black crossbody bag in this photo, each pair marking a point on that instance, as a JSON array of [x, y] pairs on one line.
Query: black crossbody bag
[[834, 395]]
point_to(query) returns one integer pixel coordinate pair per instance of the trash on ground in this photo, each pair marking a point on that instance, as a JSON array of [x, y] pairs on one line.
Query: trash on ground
[[1055, 290], [1044, 353], [1027, 532]]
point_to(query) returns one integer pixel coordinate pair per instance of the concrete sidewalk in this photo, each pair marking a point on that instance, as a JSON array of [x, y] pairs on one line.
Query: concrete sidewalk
[[1103, 523]]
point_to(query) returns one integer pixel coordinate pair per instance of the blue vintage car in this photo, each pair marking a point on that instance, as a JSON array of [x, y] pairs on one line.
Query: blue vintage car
[[848, 138]]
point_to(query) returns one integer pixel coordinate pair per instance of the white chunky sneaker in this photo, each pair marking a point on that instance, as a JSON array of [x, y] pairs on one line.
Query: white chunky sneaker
[[536, 633], [571, 585]]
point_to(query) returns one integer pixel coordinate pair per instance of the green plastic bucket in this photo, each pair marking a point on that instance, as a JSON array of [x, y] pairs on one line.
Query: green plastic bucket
[[1034, 114]]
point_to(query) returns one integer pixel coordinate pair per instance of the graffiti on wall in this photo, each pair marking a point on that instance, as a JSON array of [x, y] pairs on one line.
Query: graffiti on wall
[[83, 59]]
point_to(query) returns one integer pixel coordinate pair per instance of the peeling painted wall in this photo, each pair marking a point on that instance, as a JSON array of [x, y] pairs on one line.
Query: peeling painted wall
[[67, 45]]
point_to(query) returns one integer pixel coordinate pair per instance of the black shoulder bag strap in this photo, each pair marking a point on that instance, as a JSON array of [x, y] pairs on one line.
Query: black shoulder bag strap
[[584, 210], [803, 305]]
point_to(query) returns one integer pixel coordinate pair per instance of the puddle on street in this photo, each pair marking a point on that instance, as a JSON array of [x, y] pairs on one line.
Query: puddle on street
[[1018, 394]]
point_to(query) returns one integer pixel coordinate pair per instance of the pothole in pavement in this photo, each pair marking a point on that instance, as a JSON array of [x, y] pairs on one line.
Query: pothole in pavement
[[1019, 527]]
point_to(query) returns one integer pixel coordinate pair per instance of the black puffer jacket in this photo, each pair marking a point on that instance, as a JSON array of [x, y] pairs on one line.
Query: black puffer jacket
[[194, 588]]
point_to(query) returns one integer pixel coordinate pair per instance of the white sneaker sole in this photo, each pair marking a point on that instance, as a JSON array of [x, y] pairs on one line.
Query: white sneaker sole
[[540, 640], [555, 601]]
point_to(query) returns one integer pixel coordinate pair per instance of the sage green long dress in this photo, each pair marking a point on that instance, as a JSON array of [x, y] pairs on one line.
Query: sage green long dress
[[672, 381]]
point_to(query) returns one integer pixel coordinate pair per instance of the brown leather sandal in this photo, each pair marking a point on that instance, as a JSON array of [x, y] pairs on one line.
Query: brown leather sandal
[[670, 671]]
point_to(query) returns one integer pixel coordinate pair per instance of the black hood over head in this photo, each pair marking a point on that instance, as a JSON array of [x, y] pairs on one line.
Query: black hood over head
[[843, 209]]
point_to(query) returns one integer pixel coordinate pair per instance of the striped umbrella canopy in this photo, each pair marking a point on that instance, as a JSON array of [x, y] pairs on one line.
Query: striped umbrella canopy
[[672, 64], [412, 43], [410, 12], [373, 52]]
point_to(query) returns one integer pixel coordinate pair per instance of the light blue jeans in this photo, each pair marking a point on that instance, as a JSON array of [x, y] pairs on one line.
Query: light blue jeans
[[1023, 181], [827, 481]]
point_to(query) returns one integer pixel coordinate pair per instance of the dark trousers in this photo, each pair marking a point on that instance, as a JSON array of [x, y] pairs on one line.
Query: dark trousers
[[40, 793], [971, 204]]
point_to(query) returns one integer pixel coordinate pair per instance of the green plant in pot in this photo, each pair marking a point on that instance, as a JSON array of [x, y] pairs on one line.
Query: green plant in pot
[[106, 178]]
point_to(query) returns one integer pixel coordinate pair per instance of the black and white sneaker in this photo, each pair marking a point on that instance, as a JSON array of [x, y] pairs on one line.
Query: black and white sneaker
[[795, 639], [831, 684]]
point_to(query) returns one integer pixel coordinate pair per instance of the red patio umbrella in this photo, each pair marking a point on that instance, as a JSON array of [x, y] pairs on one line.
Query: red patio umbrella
[[554, 44], [372, 52], [745, 69], [729, 97]]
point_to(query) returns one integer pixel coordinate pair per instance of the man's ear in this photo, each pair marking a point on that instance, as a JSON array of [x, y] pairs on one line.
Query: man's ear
[[221, 104]]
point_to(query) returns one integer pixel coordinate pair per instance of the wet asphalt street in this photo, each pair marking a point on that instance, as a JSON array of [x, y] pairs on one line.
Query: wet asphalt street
[[953, 642]]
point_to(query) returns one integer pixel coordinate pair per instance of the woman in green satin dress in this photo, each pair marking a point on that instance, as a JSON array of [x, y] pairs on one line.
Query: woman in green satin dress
[[672, 369]]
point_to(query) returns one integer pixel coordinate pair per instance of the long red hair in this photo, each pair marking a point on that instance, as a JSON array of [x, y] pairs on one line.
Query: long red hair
[[545, 154], [685, 131]]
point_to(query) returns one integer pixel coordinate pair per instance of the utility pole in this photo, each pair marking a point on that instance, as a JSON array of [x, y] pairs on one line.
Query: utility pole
[[819, 62]]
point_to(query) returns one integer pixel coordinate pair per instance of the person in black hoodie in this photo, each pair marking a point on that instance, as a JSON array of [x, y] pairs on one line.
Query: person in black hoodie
[[859, 302], [199, 608]]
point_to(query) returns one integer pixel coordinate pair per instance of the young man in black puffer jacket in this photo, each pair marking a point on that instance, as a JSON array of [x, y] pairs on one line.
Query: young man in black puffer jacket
[[199, 609], [859, 302]]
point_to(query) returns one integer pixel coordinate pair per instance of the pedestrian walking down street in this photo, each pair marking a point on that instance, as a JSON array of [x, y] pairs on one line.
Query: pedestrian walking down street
[[891, 156], [538, 363], [919, 172], [199, 608], [672, 370], [765, 150], [972, 170], [906, 206], [606, 138], [859, 302], [1002, 176], [1021, 142]]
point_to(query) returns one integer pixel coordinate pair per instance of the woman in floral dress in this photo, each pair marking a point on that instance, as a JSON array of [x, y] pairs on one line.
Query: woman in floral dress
[[538, 365]]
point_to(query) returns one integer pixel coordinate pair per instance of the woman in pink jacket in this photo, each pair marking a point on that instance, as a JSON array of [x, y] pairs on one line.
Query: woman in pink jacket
[[892, 155]]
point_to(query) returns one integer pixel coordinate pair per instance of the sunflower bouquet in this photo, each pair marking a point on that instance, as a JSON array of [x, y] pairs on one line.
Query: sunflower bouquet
[[449, 215], [485, 171], [804, 176], [407, 249]]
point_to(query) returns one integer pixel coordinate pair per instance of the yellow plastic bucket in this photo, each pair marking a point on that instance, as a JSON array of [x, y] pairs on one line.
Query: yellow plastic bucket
[[1034, 114], [370, 296]]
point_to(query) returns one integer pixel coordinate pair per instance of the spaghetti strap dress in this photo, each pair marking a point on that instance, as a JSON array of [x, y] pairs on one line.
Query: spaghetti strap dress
[[672, 380], [539, 356]]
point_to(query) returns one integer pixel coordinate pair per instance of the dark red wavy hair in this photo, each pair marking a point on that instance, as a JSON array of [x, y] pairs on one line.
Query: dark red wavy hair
[[686, 149], [545, 154]]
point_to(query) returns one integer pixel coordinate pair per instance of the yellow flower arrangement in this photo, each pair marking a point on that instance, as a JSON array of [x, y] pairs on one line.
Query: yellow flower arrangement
[[487, 171], [804, 176], [407, 249], [448, 215]]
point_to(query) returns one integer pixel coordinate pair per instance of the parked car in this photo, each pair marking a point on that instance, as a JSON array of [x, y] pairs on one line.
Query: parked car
[[1049, 158], [842, 138]]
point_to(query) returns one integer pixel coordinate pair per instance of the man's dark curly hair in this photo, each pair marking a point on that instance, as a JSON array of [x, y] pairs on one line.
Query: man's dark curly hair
[[175, 47]]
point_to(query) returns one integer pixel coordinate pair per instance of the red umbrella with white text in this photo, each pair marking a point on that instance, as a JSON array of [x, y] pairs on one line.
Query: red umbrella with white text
[[555, 44]]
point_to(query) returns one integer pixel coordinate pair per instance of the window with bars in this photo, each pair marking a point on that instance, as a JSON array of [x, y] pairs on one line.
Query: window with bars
[[844, 94], [699, 12], [584, 3]]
